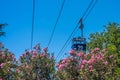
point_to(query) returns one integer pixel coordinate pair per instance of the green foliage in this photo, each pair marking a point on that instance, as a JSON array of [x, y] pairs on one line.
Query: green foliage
[[8, 65], [1, 27], [108, 39]]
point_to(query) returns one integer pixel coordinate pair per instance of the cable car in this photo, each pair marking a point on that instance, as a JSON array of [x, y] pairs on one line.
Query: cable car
[[79, 44]]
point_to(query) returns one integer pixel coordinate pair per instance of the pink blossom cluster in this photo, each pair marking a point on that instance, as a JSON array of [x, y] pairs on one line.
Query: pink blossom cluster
[[33, 54], [85, 61], [8, 64], [10, 56], [1, 79], [91, 63], [35, 61], [72, 52], [2, 64], [64, 63], [95, 50], [80, 54]]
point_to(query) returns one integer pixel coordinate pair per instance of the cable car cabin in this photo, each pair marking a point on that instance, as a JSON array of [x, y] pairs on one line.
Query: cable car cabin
[[79, 44]]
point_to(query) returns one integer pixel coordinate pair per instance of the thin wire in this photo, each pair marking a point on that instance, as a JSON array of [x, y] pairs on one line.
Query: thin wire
[[68, 44], [52, 34], [68, 40], [65, 45], [90, 10], [33, 17]]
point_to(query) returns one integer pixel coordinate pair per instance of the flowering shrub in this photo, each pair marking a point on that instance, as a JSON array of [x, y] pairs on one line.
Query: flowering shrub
[[32, 65], [96, 65], [36, 65], [8, 65]]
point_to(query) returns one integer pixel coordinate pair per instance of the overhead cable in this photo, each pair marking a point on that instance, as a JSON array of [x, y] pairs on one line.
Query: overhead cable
[[92, 7], [55, 25], [68, 40], [33, 17]]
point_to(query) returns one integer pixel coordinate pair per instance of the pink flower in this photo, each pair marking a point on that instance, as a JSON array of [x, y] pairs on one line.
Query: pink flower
[[80, 54], [34, 52], [72, 58], [33, 56], [94, 50], [98, 57], [65, 61], [90, 68], [61, 66], [92, 56], [111, 56], [84, 62], [85, 55], [28, 67], [106, 63], [1, 79], [90, 61], [103, 55], [103, 51], [72, 52], [97, 49], [57, 65], [43, 55], [82, 66], [17, 70], [2, 64]]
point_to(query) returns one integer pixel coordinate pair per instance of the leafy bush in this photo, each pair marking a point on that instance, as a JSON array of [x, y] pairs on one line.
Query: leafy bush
[[8, 65], [97, 65], [38, 64]]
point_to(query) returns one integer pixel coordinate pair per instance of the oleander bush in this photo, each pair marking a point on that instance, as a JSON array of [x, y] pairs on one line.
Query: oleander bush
[[8, 64], [38, 64], [96, 65]]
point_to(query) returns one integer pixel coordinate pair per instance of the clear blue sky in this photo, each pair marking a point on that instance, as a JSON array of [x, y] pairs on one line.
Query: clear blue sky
[[18, 15]]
